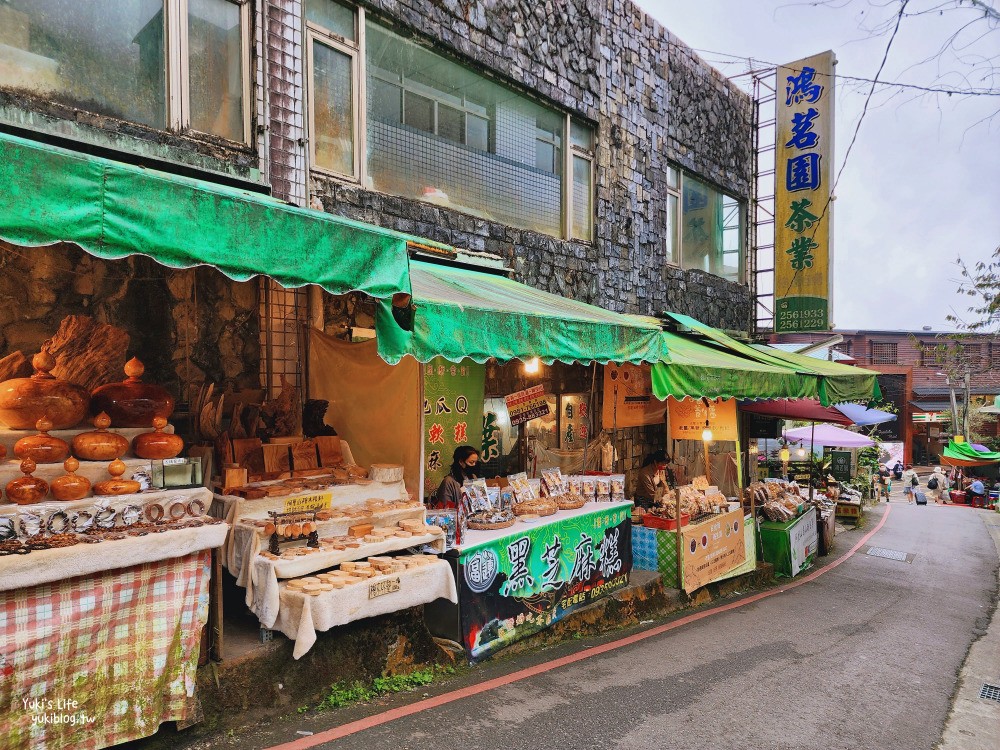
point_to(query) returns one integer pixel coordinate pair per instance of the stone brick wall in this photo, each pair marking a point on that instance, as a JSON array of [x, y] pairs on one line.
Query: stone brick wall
[[651, 99], [188, 327]]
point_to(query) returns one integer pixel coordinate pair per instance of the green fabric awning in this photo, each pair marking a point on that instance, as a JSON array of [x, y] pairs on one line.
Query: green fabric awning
[[113, 210], [462, 313], [963, 454], [837, 383], [696, 369]]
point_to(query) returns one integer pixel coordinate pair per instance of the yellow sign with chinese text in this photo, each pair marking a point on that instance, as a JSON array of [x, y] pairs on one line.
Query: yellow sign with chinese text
[[312, 501], [690, 417], [803, 210], [628, 397], [713, 548]]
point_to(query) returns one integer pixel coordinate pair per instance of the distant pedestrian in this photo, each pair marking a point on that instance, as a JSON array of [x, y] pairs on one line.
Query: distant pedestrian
[[910, 483], [897, 471], [937, 486], [884, 482]]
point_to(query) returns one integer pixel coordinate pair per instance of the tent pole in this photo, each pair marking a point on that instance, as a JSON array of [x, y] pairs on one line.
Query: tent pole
[[812, 458]]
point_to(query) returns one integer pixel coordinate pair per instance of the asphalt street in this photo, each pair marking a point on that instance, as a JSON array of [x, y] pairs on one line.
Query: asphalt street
[[865, 656]]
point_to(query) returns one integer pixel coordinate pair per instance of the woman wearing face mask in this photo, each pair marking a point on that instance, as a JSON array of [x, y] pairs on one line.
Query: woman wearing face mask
[[464, 466]]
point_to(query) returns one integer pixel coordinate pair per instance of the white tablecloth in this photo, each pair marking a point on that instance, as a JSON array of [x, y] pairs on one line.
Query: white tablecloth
[[301, 615], [163, 497], [49, 565], [262, 582]]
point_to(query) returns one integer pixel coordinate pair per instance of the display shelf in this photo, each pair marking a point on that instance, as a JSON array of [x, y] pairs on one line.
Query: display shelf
[[302, 615], [303, 565], [95, 471], [139, 498], [8, 437], [64, 563]]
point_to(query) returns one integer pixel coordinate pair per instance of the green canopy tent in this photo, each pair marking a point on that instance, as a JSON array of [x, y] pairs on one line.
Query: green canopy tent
[[963, 454], [835, 383], [460, 313], [112, 210]]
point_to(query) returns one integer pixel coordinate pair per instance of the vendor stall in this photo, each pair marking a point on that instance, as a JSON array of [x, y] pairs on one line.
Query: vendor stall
[[104, 592], [518, 580]]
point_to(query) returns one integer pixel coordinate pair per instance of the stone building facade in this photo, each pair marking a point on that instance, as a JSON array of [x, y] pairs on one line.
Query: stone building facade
[[650, 101]]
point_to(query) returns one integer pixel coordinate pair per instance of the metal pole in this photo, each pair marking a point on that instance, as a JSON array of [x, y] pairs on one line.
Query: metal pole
[[965, 411], [812, 455], [954, 405]]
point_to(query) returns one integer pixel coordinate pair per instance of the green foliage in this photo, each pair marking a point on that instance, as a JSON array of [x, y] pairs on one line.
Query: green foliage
[[344, 694], [981, 282]]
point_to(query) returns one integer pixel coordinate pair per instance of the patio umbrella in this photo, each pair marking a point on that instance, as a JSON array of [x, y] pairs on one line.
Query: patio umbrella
[[828, 435], [861, 415], [809, 410]]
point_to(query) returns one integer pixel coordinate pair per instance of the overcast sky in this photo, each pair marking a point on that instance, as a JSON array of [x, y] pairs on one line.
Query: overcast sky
[[922, 183]]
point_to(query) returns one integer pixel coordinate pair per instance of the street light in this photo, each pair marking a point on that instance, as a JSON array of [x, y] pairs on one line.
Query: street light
[[532, 366]]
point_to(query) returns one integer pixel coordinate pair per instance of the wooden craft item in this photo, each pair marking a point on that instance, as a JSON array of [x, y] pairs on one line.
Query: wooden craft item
[[132, 403], [360, 530], [286, 439], [304, 455], [88, 352], [100, 444], [276, 457], [386, 472], [224, 454], [70, 486], [116, 485], [15, 365], [27, 489], [243, 448], [233, 477], [23, 401], [42, 448], [157, 445], [331, 454]]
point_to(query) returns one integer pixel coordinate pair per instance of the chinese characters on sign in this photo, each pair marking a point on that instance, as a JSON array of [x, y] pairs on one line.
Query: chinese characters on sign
[[690, 417], [803, 211], [453, 409], [628, 397], [515, 585], [526, 405]]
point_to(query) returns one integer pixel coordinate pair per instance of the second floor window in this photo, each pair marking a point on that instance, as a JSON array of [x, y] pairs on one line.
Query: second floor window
[[704, 227], [397, 117], [884, 353], [179, 64]]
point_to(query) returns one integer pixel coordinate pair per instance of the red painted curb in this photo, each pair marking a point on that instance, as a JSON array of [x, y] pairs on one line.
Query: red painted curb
[[440, 700]]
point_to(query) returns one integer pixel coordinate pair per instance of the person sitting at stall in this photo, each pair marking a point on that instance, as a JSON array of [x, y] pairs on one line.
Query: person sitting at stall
[[651, 476], [464, 465], [976, 490]]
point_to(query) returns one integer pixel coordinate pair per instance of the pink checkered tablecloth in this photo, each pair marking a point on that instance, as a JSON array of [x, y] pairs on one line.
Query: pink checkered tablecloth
[[100, 659]]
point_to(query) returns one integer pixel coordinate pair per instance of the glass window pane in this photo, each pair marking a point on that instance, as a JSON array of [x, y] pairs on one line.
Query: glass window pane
[[69, 51], [672, 249], [583, 207], [333, 109], [451, 123], [581, 136], [477, 132], [712, 231], [419, 111], [485, 158], [546, 156], [215, 38], [386, 101], [333, 17], [673, 177]]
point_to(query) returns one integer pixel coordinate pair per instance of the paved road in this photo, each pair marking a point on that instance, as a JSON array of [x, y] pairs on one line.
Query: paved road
[[864, 656]]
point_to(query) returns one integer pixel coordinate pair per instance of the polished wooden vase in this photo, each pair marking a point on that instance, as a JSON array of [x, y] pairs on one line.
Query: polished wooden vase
[[70, 486], [132, 403], [100, 444], [42, 448], [116, 485], [27, 489], [157, 445], [23, 401]]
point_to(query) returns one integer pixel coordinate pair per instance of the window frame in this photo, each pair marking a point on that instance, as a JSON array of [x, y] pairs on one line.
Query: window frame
[[179, 65], [571, 151], [359, 72], [354, 49], [678, 193]]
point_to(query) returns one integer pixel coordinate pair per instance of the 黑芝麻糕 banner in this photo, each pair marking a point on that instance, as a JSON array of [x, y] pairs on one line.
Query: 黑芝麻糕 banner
[[518, 584], [803, 187]]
